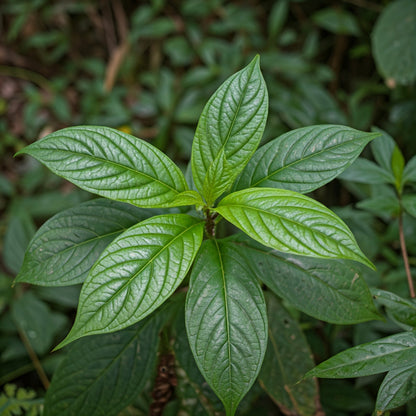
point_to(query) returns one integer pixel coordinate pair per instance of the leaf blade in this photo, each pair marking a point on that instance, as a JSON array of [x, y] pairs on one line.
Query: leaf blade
[[136, 273], [290, 222], [227, 337], [112, 164], [304, 159], [229, 130]]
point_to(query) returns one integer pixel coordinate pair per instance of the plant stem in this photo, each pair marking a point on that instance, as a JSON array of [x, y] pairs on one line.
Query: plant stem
[[405, 258], [35, 360]]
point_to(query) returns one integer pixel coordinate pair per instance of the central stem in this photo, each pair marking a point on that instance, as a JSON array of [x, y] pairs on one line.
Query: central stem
[[210, 222]]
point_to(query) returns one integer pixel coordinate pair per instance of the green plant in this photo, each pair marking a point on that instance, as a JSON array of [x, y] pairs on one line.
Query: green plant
[[135, 267]]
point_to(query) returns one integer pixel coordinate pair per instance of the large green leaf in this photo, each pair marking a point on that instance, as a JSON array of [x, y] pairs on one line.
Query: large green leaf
[[101, 375], [226, 322], [304, 159], [329, 290], [393, 42], [397, 388], [64, 249], [290, 222], [113, 164], [287, 359], [136, 273], [375, 357], [229, 131]]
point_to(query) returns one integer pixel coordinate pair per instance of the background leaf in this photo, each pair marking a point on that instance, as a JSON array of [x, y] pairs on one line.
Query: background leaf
[[397, 388], [101, 375], [382, 355], [111, 164], [287, 359], [229, 130], [66, 246], [329, 290], [304, 159], [226, 322], [136, 273], [393, 36], [366, 171], [290, 222]]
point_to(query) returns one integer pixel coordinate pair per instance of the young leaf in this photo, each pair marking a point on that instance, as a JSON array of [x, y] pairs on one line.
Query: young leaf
[[226, 322], [287, 359], [397, 167], [112, 164], [375, 357], [304, 159], [101, 375], [290, 222], [397, 388], [64, 249], [330, 290], [136, 273], [229, 131]]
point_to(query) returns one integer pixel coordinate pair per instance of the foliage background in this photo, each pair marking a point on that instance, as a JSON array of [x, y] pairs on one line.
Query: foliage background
[[147, 68]]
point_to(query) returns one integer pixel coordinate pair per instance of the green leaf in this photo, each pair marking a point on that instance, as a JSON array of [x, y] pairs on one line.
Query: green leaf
[[111, 164], [397, 388], [383, 148], [277, 18], [136, 273], [394, 48], [291, 222], [409, 172], [101, 375], [337, 21], [226, 322], [397, 167], [304, 159], [287, 359], [229, 131], [409, 204], [366, 171], [401, 310], [330, 290], [385, 206], [65, 248], [375, 357], [18, 234]]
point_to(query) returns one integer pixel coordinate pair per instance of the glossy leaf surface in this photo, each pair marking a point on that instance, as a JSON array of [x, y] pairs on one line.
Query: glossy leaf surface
[[287, 359], [290, 222], [229, 131], [65, 247], [374, 357], [304, 159], [330, 290], [112, 164], [136, 273], [226, 322], [397, 388], [101, 375]]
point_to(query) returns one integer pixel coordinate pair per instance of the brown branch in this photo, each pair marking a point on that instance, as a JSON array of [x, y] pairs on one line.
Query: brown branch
[[35, 360], [406, 258]]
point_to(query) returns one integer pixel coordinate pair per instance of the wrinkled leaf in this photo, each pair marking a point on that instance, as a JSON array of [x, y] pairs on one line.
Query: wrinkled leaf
[[397, 388], [66, 246], [304, 159], [375, 357], [329, 290], [101, 375], [287, 359], [112, 164], [136, 273], [229, 131], [226, 322], [291, 222]]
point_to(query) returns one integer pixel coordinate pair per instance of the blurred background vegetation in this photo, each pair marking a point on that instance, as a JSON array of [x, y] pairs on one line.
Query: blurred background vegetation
[[148, 68]]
